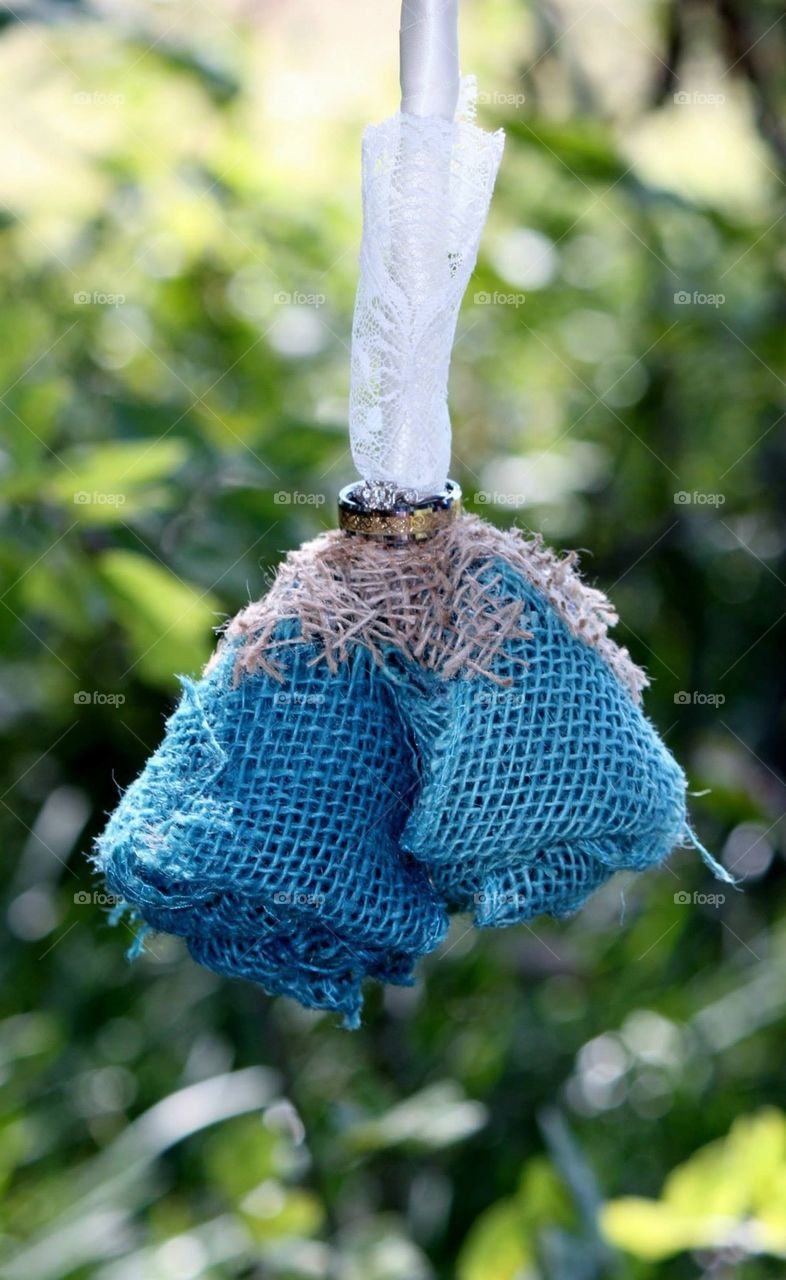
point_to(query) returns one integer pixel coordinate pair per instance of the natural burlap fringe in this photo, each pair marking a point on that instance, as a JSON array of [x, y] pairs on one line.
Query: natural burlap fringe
[[436, 602]]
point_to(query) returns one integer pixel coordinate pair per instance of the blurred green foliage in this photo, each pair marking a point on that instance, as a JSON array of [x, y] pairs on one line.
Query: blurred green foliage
[[729, 1195], [177, 266]]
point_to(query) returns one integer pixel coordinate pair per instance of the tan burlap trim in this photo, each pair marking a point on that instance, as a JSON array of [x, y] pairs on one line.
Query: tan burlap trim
[[433, 601]]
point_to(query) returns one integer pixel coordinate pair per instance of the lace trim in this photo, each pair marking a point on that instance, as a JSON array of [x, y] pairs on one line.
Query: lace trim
[[427, 185]]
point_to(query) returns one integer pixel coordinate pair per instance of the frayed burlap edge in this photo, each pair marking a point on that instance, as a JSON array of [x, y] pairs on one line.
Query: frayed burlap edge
[[434, 602]]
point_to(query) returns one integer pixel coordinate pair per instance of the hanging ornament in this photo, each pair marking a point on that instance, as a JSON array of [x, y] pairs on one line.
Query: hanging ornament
[[424, 714]]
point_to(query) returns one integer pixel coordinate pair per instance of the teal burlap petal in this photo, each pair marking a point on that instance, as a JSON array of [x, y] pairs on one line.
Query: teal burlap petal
[[310, 822], [264, 831], [534, 791]]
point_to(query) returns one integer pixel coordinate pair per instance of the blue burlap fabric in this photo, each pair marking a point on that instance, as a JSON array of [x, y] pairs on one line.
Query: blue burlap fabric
[[571, 784], [264, 830], [328, 793]]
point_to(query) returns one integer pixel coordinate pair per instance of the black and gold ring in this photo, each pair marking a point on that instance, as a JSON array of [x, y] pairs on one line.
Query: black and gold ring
[[394, 516]]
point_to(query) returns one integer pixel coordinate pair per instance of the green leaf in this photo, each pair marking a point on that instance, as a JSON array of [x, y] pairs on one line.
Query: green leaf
[[756, 1146], [435, 1117], [63, 590], [168, 623], [496, 1248], [730, 1177], [273, 1212], [108, 483], [727, 1191], [240, 1156], [542, 1196], [771, 1214], [708, 1185], [16, 1140], [647, 1228], [587, 150]]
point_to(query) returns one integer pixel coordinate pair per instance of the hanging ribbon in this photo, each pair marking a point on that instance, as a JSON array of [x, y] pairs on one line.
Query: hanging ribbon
[[428, 43], [427, 183]]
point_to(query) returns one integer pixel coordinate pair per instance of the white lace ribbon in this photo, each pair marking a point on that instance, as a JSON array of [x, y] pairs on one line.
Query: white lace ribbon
[[427, 184]]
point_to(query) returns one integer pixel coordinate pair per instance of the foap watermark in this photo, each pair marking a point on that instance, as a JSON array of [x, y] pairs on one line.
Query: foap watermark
[[282, 899], [97, 298], [97, 698], [99, 98], [497, 298], [296, 498], [498, 697], [684, 298], [696, 899], [695, 98], [299, 299], [94, 498], [696, 698], [291, 698], [98, 898], [495, 499], [503, 898], [501, 98], [698, 498]]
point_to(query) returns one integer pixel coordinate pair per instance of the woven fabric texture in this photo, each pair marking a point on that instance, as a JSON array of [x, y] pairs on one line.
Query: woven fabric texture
[[325, 796], [427, 184], [265, 831], [434, 603], [568, 762]]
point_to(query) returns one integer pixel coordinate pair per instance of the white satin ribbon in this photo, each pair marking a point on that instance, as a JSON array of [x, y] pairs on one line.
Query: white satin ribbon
[[428, 43], [427, 182]]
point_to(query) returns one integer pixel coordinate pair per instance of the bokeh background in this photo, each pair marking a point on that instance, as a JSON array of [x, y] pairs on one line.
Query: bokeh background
[[180, 191]]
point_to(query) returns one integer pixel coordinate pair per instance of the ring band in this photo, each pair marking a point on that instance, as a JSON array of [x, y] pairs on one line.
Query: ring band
[[387, 514]]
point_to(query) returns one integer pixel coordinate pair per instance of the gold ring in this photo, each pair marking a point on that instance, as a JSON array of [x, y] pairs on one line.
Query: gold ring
[[395, 516]]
